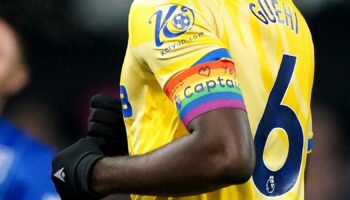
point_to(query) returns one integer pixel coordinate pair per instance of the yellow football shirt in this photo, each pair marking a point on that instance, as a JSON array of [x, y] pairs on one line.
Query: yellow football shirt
[[187, 57]]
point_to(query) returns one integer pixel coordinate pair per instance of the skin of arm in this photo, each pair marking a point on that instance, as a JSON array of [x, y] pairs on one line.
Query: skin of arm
[[307, 170], [218, 152]]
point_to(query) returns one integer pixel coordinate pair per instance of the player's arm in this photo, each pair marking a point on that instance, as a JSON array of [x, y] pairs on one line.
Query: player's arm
[[218, 152], [307, 167], [309, 149], [308, 162]]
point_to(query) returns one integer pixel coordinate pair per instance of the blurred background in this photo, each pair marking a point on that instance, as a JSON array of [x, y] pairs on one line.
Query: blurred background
[[76, 49]]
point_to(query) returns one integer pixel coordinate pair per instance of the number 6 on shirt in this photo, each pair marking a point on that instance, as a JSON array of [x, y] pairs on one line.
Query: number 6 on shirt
[[277, 115]]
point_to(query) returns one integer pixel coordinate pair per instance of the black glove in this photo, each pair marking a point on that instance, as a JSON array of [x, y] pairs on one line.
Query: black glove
[[106, 121], [72, 168]]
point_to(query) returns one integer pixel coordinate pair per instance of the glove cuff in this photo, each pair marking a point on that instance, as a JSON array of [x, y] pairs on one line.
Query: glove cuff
[[84, 173]]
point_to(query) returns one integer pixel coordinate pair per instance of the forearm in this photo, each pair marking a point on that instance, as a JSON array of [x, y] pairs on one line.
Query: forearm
[[178, 169], [306, 175]]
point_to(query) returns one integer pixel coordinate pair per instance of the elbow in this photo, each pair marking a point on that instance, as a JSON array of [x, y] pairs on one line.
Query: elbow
[[242, 171], [237, 167]]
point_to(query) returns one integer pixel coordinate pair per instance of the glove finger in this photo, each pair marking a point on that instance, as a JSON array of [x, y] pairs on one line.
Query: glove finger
[[107, 117], [115, 141], [105, 102], [115, 147], [102, 131]]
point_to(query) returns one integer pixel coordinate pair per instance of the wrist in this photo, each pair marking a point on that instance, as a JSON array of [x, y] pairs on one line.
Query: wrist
[[84, 174], [96, 183]]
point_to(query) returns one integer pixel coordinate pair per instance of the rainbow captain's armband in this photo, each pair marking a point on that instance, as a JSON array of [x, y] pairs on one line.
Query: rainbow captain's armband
[[205, 87]]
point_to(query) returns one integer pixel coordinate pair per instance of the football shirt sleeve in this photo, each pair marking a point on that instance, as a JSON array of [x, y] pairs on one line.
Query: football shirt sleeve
[[180, 46], [310, 135]]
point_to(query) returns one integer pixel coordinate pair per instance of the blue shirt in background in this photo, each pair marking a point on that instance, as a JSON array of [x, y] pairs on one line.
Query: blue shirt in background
[[25, 166]]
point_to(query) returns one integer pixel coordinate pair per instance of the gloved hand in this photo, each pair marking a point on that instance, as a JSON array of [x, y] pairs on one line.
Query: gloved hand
[[72, 168], [106, 121]]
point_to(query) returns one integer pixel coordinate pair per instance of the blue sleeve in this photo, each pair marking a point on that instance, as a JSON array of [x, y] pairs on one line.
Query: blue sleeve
[[33, 175]]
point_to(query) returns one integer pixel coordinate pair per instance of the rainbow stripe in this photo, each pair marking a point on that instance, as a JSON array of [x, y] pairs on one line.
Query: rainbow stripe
[[205, 87]]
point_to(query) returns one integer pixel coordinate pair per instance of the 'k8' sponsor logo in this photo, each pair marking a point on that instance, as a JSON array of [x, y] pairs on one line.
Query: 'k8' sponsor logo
[[172, 23]]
